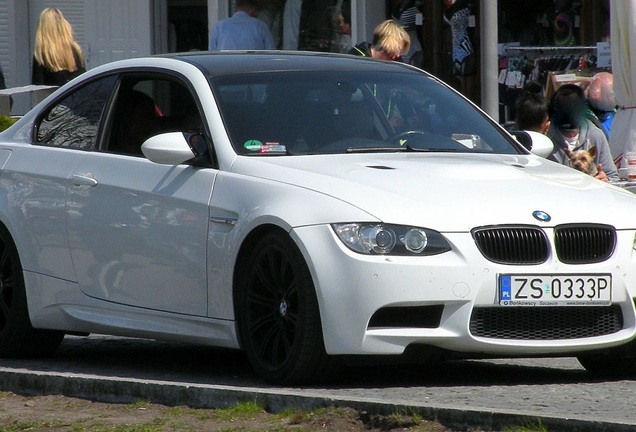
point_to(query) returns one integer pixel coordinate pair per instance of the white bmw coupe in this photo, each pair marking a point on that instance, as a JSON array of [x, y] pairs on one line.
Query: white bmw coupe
[[303, 208]]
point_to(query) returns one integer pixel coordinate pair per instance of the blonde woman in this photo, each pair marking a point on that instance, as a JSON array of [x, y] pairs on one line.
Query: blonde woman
[[57, 57], [390, 42]]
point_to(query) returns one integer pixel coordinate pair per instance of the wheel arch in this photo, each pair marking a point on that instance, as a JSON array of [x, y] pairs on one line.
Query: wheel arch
[[12, 228], [18, 337], [278, 317], [6, 236]]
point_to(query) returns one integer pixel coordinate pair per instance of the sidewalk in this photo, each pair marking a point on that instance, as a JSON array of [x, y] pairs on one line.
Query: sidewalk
[[484, 394]]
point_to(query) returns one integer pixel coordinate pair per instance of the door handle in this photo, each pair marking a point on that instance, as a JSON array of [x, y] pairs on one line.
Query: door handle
[[83, 180]]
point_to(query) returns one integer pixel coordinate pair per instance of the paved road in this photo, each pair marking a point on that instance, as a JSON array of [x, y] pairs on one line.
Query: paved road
[[488, 393]]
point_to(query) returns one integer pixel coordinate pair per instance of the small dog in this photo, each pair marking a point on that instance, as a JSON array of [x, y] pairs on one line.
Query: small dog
[[583, 160]]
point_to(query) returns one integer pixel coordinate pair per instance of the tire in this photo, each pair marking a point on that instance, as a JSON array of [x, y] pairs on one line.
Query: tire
[[18, 339], [609, 366], [278, 316]]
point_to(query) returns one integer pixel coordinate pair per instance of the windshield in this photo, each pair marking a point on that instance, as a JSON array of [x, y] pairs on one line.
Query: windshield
[[318, 112]]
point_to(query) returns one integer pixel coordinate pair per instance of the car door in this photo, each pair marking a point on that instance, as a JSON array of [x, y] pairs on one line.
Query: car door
[[35, 177], [138, 230]]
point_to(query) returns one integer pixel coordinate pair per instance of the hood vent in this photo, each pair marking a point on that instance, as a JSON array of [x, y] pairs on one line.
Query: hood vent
[[380, 167]]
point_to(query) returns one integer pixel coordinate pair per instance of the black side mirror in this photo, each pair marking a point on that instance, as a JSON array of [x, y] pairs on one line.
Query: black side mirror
[[523, 137]]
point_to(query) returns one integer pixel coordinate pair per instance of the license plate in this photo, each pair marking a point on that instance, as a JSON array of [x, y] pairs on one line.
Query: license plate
[[555, 290]]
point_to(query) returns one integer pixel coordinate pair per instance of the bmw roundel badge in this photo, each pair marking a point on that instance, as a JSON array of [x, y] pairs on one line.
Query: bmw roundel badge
[[541, 216]]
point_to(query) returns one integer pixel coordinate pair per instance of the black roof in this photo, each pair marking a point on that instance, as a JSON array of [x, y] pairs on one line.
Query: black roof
[[232, 62]]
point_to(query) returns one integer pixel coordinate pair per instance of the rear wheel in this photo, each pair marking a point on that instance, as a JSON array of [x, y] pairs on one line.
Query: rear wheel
[[278, 316], [17, 337], [609, 364]]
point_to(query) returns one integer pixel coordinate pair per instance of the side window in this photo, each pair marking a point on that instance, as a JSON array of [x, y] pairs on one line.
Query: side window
[[148, 106], [74, 121]]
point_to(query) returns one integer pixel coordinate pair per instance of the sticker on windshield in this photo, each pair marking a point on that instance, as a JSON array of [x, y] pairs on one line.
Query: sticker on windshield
[[252, 145], [273, 148]]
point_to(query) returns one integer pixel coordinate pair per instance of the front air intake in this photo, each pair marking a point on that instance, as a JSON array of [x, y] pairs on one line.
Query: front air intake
[[546, 323]]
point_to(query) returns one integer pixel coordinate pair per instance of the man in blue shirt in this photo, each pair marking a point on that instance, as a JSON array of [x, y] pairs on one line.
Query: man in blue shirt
[[242, 31]]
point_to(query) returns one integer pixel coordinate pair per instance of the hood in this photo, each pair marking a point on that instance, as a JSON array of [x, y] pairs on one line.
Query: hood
[[452, 192]]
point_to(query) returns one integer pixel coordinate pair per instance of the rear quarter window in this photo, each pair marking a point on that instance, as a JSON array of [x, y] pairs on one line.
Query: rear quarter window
[[74, 121]]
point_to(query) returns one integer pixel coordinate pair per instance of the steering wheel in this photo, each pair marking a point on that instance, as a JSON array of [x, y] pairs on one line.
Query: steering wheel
[[404, 135]]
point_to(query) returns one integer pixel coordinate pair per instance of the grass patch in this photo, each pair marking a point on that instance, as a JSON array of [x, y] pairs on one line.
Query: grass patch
[[19, 426], [539, 427], [62, 414], [139, 405], [242, 410]]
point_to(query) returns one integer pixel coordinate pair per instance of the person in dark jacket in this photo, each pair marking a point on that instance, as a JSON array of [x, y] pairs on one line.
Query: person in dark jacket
[[390, 42]]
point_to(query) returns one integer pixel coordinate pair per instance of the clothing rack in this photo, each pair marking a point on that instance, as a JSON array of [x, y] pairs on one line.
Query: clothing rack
[[536, 63]]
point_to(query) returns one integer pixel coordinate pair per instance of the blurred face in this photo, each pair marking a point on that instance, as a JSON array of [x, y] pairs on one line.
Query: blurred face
[[569, 110], [384, 55]]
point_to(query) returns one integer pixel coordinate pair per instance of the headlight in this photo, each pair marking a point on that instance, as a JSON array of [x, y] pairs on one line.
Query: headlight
[[383, 239]]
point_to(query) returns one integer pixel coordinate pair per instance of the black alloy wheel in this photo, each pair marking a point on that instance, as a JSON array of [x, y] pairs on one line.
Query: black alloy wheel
[[278, 315]]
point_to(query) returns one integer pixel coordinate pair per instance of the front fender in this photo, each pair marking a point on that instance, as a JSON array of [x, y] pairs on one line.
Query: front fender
[[240, 205]]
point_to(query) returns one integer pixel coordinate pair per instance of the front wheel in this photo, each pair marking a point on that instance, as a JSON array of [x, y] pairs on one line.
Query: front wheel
[[278, 316], [609, 365], [17, 337]]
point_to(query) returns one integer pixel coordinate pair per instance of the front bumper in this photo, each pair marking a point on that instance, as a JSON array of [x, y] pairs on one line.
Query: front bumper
[[362, 298]]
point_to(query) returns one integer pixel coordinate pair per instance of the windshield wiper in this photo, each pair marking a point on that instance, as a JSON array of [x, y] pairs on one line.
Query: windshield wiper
[[405, 148], [379, 149], [437, 150]]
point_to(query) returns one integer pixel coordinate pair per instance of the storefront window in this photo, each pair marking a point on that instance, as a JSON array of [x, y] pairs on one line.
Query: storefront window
[[546, 44], [308, 25]]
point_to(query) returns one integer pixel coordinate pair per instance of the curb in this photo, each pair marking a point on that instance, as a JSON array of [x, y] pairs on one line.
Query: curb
[[170, 393]]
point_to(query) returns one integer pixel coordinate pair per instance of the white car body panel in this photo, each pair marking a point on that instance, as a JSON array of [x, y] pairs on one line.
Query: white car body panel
[[55, 304], [376, 182], [353, 291], [142, 245], [262, 202], [36, 190]]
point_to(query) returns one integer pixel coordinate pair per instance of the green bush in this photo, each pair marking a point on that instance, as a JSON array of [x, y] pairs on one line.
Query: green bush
[[6, 121]]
